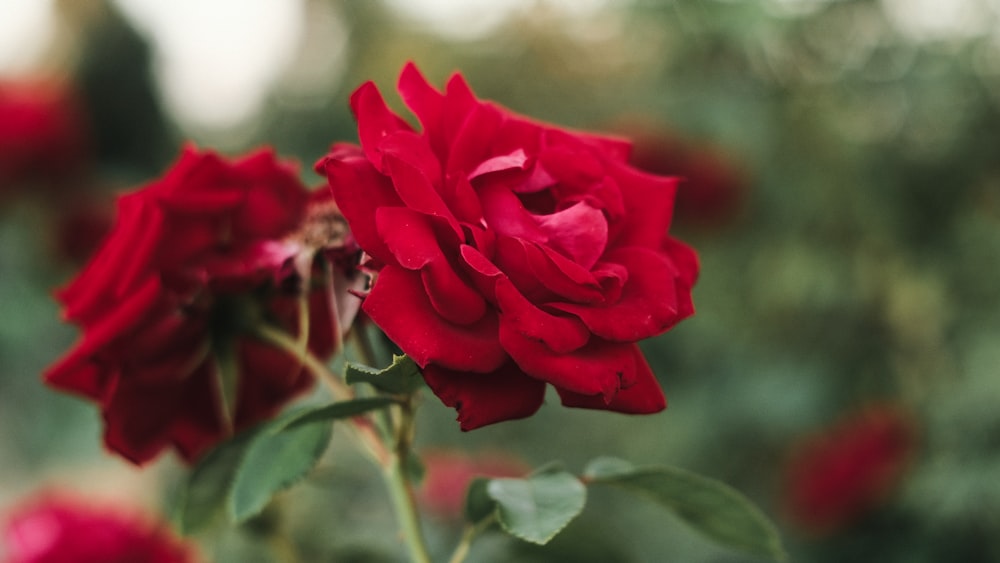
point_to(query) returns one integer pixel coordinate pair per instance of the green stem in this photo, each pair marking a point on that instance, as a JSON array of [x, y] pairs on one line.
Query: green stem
[[401, 493], [469, 534], [364, 430], [397, 478]]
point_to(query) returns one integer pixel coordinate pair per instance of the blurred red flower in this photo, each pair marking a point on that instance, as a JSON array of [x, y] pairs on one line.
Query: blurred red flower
[[43, 133], [836, 476], [511, 254], [193, 263], [449, 473], [57, 529], [713, 186]]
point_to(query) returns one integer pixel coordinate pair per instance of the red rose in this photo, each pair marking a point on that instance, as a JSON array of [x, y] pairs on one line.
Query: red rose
[[194, 260], [838, 475], [42, 133], [512, 253], [59, 530]]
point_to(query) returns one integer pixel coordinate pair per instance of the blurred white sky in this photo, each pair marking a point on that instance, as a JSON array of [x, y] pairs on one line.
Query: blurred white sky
[[217, 59]]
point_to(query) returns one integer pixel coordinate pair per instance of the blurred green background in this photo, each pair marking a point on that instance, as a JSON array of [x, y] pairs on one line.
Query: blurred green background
[[850, 254]]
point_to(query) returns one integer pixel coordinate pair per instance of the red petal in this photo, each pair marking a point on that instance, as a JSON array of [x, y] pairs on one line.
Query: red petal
[[399, 305], [360, 190], [375, 121], [486, 398], [598, 368], [579, 232], [418, 193], [648, 303], [411, 238], [648, 205], [560, 334], [644, 396]]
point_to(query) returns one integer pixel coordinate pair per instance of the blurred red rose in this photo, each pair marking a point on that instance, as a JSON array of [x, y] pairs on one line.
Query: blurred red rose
[[713, 185], [449, 473], [512, 253], [194, 261], [836, 476], [80, 228], [43, 136], [56, 529]]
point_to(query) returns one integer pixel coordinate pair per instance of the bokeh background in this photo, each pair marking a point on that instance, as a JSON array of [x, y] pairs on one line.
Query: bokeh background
[[843, 191]]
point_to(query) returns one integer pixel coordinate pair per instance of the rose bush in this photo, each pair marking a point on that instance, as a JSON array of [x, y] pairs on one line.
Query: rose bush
[[169, 303], [59, 529], [510, 254]]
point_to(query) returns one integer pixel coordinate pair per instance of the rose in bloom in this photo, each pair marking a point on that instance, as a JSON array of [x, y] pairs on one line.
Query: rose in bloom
[[511, 254], [57, 529], [42, 133], [195, 262], [448, 474], [836, 476]]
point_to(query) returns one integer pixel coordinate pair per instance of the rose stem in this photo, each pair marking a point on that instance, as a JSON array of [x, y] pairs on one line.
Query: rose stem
[[397, 479], [362, 425]]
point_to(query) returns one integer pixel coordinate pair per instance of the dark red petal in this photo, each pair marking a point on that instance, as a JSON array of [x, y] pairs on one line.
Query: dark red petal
[[483, 272], [598, 368], [418, 193], [648, 205], [120, 262], [359, 190], [486, 398], [375, 121], [411, 238], [399, 305], [473, 141], [140, 420], [414, 150], [269, 378], [427, 103], [560, 334], [505, 214], [644, 396], [579, 232], [515, 160], [648, 302]]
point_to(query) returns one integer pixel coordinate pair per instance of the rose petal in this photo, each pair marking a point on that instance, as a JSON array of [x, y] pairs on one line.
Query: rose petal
[[411, 238], [375, 121], [486, 398], [579, 232], [140, 420], [648, 304], [399, 305], [360, 190], [644, 396], [560, 334], [599, 368], [648, 206], [417, 192]]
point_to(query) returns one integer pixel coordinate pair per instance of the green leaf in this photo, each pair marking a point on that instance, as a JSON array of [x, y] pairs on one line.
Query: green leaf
[[713, 508], [341, 409], [206, 488], [478, 503], [400, 378], [277, 457], [536, 508]]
